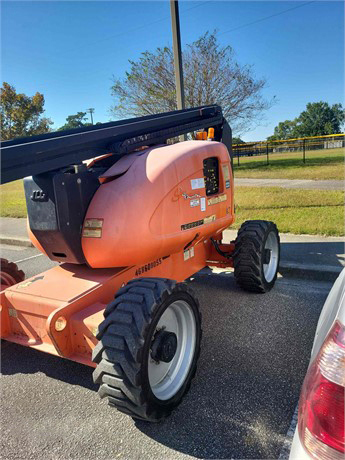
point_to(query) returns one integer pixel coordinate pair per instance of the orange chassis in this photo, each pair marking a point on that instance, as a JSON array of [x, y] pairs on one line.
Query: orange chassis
[[64, 320]]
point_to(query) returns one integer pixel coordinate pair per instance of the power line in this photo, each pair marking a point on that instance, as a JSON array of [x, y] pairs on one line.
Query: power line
[[266, 17], [197, 6], [130, 31], [71, 53], [188, 9]]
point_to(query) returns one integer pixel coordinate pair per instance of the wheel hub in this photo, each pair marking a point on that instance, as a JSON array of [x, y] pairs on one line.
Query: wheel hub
[[271, 256], [166, 378], [267, 256], [164, 346]]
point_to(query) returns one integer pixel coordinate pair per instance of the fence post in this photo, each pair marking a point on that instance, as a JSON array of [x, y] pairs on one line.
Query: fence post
[[267, 154], [238, 157], [303, 150]]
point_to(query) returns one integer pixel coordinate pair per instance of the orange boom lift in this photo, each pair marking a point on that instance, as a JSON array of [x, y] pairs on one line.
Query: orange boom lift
[[129, 217]]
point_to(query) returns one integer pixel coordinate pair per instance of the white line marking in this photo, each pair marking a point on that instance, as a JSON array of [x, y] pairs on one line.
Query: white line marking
[[285, 450], [28, 258]]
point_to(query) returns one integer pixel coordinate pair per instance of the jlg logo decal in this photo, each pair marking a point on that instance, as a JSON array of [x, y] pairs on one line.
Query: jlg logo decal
[[147, 267]]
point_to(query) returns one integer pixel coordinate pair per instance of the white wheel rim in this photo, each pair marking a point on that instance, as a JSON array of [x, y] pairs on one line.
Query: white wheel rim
[[270, 269], [167, 378]]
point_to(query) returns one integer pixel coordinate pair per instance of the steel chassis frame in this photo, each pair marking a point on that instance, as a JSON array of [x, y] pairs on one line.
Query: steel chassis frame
[[64, 320]]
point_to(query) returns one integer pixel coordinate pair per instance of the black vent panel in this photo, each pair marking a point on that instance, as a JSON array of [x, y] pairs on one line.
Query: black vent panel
[[211, 175]]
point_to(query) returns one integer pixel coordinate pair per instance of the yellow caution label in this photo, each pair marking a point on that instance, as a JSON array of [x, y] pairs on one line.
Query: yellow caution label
[[226, 172], [93, 223], [210, 219], [24, 285], [217, 199], [94, 331], [92, 232]]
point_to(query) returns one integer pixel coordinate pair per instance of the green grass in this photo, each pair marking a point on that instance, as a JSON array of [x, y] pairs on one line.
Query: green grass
[[314, 212], [320, 164], [319, 212], [12, 200]]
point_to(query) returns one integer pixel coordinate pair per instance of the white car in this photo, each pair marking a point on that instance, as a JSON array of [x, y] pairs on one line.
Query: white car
[[320, 432]]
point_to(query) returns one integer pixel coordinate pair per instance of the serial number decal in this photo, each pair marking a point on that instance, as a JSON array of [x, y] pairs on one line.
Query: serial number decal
[[148, 267], [196, 223]]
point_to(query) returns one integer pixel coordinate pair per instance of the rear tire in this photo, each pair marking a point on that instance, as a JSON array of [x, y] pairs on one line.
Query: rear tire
[[10, 273], [142, 369], [256, 256]]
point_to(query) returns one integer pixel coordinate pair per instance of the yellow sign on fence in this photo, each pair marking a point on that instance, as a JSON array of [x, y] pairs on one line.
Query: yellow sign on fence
[[301, 144]]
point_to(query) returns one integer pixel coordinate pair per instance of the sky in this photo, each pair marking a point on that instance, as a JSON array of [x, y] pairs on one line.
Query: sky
[[70, 51]]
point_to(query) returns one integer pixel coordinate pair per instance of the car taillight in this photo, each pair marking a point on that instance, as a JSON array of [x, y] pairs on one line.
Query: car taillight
[[321, 407]]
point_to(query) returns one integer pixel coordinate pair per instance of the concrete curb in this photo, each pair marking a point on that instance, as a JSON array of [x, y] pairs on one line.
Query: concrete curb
[[16, 241], [289, 270], [286, 269], [309, 271]]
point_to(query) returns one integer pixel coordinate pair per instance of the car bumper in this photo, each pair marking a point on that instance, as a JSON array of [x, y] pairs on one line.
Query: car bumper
[[297, 451]]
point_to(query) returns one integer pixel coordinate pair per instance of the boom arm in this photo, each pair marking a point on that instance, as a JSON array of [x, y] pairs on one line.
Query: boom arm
[[38, 154]]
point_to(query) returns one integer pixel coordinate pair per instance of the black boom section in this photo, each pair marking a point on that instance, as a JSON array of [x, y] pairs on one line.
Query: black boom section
[[39, 154]]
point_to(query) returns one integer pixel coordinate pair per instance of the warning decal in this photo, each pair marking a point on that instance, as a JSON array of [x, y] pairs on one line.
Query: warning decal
[[197, 183]]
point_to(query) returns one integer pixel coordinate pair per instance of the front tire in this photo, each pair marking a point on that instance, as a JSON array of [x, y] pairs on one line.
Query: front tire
[[149, 344], [256, 256]]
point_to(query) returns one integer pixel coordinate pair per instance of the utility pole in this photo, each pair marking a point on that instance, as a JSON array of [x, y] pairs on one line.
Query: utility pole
[[91, 111], [175, 26]]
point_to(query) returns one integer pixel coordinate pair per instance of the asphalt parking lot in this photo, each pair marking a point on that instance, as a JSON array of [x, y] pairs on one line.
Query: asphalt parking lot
[[255, 352]]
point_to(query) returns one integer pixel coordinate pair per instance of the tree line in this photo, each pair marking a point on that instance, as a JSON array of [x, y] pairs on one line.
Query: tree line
[[318, 119], [212, 75]]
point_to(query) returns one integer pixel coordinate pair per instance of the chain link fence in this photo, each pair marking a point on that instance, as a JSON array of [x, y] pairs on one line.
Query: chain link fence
[[269, 149]]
